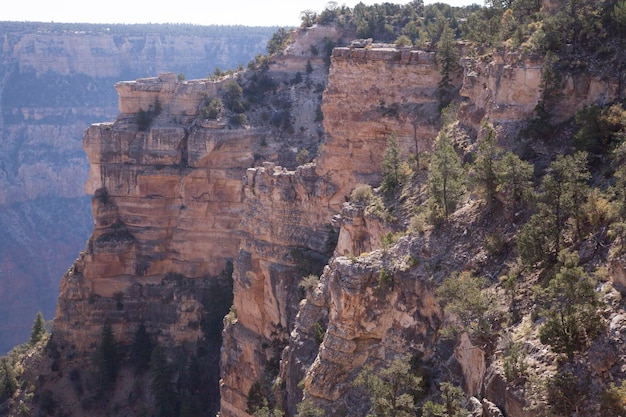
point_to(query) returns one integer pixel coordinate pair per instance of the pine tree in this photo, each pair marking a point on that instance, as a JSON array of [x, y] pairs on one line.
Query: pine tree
[[572, 317], [141, 349], [392, 390], [450, 405], [467, 297], [514, 180], [485, 167], [446, 176], [38, 330], [8, 381], [448, 60], [165, 398], [106, 359], [564, 190], [391, 164]]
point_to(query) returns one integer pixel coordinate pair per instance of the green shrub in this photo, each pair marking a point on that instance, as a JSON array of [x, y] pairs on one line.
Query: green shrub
[[303, 156], [310, 282], [213, 110], [385, 280], [320, 332], [238, 120], [468, 297], [515, 367], [392, 390], [403, 41], [418, 223], [362, 193], [231, 317], [566, 392], [307, 408], [571, 308], [613, 400]]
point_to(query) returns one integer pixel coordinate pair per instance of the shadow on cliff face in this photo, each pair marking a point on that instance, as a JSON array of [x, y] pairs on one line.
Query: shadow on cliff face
[[158, 352]]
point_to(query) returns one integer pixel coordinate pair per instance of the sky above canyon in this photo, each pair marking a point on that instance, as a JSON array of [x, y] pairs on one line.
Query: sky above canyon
[[202, 12]]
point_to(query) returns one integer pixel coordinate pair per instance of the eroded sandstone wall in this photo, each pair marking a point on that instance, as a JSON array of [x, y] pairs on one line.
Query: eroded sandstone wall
[[287, 230], [371, 94], [55, 81], [166, 199], [169, 205], [505, 88]]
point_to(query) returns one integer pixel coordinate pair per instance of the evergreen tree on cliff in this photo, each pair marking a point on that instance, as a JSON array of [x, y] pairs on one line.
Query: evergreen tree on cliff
[[106, 359], [161, 384], [38, 329], [446, 177]]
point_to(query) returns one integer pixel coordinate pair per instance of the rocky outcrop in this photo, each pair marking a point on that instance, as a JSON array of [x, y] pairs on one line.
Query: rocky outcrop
[[285, 237], [371, 94], [376, 313], [358, 233], [55, 81], [176, 197], [165, 199], [287, 220], [505, 88], [171, 214]]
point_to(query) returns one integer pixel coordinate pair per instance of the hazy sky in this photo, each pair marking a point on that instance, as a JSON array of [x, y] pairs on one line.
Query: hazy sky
[[203, 12]]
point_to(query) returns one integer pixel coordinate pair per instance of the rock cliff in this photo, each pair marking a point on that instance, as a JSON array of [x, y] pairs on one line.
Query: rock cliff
[[287, 230], [56, 80], [184, 207], [169, 207]]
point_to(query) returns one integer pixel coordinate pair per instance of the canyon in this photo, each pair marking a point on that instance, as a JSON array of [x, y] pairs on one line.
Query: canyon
[[55, 81], [236, 241]]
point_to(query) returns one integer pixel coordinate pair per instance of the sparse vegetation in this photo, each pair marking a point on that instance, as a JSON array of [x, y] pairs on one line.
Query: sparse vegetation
[[392, 390], [572, 316], [446, 177], [467, 297], [449, 405], [362, 194], [39, 329], [529, 209]]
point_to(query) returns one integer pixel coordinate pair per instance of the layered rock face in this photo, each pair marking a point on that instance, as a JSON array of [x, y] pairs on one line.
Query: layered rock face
[[165, 199], [168, 206], [507, 88], [287, 230], [367, 99], [56, 80], [177, 199], [371, 94], [370, 322]]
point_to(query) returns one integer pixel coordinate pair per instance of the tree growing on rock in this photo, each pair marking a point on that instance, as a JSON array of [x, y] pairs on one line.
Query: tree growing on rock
[[106, 359], [449, 405], [515, 181], [446, 178], [571, 303], [392, 391], [564, 191], [38, 330], [486, 164], [8, 381], [392, 174], [467, 297], [448, 61]]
